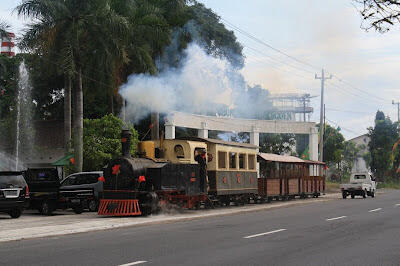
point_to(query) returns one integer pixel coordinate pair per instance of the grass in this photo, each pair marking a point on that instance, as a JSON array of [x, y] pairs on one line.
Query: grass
[[389, 184], [331, 187]]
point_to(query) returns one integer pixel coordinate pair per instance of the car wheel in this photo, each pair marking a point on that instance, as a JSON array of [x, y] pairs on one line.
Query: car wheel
[[372, 194], [93, 205], [46, 208], [352, 195], [16, 213], [78, 209]]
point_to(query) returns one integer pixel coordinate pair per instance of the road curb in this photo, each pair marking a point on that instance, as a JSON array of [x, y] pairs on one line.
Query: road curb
[[118, 222]]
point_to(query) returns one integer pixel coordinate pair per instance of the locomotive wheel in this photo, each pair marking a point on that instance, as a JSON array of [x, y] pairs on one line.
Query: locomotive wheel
[[209, 204], [93, 205], [78, 209], [227, 202]]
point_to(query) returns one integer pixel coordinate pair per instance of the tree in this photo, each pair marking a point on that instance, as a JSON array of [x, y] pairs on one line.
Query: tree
[[217, 40], [379, 14], [333, 145], [67, 28], [102, 141], [270, 143], [383, 135], [3, 29], [349, 156]]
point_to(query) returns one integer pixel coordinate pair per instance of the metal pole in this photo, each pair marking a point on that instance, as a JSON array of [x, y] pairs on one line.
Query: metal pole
[[321, 120]]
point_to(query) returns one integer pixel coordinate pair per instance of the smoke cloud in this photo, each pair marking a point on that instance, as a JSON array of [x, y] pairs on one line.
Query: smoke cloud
[[200, 83]]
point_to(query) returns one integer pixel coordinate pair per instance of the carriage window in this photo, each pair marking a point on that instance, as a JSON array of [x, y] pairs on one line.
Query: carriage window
[[242, 161], [252, 162], [179, 153], [232, 160], [221, 159]]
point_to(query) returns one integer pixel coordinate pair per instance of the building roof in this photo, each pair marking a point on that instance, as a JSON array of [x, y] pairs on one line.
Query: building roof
[[364, 135], [222, 142], [313, 162], [279, 158], [285, 159]]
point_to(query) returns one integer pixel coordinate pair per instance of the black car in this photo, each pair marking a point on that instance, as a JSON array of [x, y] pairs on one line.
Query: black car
[[46, 195], [44, 186], [85, 181], [14, 193]]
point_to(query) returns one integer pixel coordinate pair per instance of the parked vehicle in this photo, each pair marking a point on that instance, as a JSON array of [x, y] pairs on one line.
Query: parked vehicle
[[85, 182], [361, 184], [14, 193], [46, 195], [43, 189]]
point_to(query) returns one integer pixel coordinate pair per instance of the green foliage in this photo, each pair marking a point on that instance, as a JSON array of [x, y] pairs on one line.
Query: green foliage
[[383, 135], [277, 143], [333, 145], [389, 183], [102, 141], [217, 40], [349, 156]]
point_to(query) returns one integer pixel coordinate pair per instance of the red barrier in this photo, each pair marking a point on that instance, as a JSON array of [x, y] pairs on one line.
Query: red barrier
[[117, 207]]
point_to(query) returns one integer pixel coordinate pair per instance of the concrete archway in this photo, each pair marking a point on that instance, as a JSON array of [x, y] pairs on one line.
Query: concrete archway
[[253, 126]]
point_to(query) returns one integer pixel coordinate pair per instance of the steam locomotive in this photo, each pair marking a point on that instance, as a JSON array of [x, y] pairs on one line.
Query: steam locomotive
[[162, 174], [193, 171]]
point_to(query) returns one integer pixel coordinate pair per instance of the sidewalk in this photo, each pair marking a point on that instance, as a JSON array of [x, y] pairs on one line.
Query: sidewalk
[[33, 225]]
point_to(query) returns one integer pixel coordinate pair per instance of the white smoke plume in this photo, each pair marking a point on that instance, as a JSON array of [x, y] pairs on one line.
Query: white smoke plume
[[200, 84]]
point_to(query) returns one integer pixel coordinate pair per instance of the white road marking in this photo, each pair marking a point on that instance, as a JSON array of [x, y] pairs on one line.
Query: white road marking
[[398, 204], [375, 210], [134, 263], [266, 233], [336, 218]]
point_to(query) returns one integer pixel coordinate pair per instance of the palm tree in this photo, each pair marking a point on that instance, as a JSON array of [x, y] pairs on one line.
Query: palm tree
[[3, 29], [3, 33], [69, 29]]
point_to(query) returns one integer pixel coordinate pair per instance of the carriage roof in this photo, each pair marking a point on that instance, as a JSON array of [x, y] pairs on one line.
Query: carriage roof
[[270, 157], [222, 142]]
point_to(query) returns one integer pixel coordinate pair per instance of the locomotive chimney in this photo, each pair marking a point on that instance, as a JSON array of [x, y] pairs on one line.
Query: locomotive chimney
[[126, 142]]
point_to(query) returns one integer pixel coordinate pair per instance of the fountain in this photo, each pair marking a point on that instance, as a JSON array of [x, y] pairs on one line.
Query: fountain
[[24, 128]]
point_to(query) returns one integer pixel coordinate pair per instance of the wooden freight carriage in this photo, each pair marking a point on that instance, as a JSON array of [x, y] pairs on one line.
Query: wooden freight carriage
[[314, 181], [280, 176]]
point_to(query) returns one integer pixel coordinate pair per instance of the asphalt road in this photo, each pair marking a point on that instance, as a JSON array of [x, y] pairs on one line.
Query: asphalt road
[[340, 232]]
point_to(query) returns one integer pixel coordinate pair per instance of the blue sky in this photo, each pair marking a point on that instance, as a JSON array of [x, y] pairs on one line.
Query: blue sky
[[322, 33]]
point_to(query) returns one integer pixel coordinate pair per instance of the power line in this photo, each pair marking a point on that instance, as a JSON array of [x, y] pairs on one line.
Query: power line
[[348, 130], [243, 32], [360, 90], [366, 99], [276, 60], [347, 111], [231, 25]]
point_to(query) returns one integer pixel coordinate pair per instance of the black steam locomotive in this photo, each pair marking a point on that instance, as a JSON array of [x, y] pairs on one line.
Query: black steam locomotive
[[137, 186]]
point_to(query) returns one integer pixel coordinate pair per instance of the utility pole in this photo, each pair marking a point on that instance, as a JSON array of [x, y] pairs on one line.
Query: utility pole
[[321, 119], [398, 110]]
